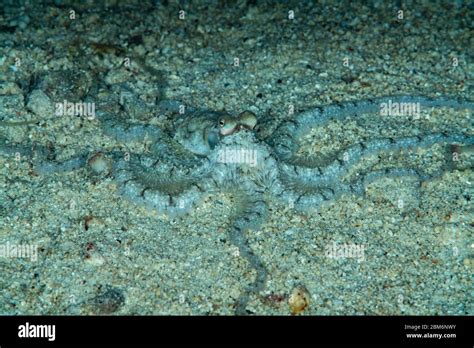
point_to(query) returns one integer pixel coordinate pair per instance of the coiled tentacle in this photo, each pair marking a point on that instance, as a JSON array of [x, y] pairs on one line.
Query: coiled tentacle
[[307, 186], [331, 174], [284, 139], [161, 185]]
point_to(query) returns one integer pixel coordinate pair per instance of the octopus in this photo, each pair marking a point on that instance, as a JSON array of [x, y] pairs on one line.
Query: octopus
[[201, 132], [205, 152]]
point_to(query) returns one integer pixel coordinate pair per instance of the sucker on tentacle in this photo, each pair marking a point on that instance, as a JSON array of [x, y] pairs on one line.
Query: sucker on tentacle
[[153, 187]]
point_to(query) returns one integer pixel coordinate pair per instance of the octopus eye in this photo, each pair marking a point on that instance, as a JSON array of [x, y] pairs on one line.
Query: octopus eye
[[221, 123]]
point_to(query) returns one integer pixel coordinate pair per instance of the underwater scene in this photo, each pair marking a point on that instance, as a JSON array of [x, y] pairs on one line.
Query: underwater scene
[[236, 157]]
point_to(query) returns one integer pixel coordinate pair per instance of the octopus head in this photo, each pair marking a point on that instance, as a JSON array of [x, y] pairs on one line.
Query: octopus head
[[247, 119], [227, 125]]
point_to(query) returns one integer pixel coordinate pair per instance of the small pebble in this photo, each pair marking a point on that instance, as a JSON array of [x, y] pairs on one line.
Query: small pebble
[[100, 164], [298, 300]]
